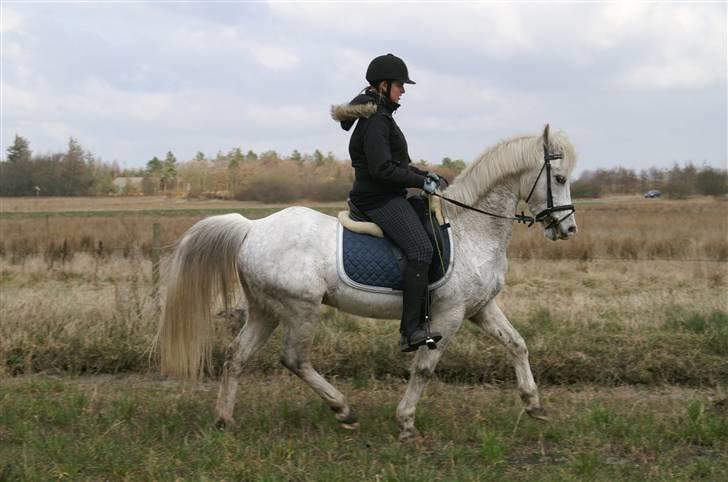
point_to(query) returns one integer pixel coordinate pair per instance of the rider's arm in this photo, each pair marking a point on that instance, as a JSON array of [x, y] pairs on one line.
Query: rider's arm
[[379, 156]]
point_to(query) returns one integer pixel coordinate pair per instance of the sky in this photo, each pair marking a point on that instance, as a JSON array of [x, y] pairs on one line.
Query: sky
[[633, 84]]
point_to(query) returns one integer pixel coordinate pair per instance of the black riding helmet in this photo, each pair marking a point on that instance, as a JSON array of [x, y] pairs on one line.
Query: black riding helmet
[[387, 67]]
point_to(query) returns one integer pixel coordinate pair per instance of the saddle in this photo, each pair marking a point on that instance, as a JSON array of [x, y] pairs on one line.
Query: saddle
[[368, 260]]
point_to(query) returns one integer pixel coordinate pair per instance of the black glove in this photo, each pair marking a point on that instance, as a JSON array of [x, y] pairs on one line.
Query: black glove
[[436, 181], [432, 182]]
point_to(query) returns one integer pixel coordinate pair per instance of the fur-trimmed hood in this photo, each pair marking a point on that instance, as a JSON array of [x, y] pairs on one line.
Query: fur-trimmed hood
[[363, 106], [351, 112]]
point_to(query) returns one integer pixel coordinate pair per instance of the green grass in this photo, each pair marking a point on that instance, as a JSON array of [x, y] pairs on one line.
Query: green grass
[[142, 429], [597, 352], [713, 327]]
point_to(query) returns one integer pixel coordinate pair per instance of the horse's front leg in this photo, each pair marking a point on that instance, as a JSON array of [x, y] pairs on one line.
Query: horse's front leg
[[422, 370], [492, 320]]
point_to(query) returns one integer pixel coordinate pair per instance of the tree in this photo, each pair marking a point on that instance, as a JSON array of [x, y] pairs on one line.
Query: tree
[[296, 156], [318, 157], [457, 165], [587, 186], [75, 179], [169, 171], [711, 182], [16, 174], [679, 182], [19, 151], [154, 167], [235, 158], [199, 157], [268, 157], [251, 156]]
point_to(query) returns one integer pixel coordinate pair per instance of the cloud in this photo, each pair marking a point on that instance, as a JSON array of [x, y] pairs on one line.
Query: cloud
[[10, 20], [100, 100], [496, 29], [202, 37], [664, 46], [273, 57], [670, 74], [135, 80], [17, 99]]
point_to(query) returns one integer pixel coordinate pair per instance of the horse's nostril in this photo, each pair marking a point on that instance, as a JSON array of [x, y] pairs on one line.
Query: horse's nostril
[[572, 229]]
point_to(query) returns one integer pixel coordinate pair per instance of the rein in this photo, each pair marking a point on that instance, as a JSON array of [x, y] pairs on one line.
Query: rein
[[543, 216], [521, 218]]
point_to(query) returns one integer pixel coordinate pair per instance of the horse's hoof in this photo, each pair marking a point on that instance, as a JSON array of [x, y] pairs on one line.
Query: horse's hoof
[[409, 435], [348, 421], [222, 424], [539, 413]]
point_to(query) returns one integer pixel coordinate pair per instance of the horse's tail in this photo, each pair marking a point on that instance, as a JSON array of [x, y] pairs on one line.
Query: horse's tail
[[202, 267]]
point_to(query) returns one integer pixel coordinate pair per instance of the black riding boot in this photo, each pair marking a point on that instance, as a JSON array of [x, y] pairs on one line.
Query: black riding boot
[[414, 332]]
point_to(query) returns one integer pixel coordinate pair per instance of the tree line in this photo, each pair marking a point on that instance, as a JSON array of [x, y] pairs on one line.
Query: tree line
[[270, 177], [266, 176], [678, 182]]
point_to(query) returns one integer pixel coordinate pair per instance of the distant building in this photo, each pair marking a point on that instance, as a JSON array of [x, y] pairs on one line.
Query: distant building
[[128, 184]]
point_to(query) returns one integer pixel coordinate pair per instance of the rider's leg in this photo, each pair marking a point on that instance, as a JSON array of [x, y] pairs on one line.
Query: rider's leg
[[401, 224]]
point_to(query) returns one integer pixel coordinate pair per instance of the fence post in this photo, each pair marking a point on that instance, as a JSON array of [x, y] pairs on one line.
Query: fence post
[[156, 251]]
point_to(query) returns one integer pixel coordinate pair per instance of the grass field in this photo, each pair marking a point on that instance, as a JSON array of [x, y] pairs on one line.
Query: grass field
[[631, 352], [131, 428]]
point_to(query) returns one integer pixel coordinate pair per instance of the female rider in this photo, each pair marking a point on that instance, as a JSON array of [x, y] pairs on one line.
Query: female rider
[[383, 171]]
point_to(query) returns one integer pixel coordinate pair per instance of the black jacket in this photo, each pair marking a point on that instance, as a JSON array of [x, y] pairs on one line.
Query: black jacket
[[378, 151]]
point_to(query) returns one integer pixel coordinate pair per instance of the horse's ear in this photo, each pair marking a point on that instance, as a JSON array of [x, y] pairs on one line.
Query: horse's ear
[[546, 135]]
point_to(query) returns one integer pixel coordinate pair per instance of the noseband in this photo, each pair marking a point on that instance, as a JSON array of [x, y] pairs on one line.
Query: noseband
[[547, 215]]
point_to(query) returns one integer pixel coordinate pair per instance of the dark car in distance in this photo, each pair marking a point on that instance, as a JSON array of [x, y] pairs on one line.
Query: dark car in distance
[[652, 194]]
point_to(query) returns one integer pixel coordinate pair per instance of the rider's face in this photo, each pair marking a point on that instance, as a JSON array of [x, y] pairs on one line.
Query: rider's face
[[395, 92]]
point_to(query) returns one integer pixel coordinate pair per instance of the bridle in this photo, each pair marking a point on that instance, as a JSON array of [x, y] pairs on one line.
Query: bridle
[[546, 215]]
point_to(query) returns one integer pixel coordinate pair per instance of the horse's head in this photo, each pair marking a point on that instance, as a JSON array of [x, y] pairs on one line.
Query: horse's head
[[546, 187]]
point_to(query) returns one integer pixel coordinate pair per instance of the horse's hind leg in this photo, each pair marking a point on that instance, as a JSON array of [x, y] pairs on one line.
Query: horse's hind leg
[[300, 326], [491, 319], [256, 331]]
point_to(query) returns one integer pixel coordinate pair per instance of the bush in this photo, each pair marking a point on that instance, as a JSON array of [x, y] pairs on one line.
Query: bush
[[333, 190], [712, 182], [586, 189], [271, 187]]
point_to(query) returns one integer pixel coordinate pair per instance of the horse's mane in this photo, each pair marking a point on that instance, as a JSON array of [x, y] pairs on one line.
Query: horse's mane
[[508, 157]]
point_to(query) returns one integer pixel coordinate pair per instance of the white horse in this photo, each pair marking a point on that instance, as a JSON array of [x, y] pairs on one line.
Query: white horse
[[286, 264]]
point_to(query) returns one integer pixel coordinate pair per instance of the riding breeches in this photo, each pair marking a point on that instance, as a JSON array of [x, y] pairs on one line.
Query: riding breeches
[[401, 224]]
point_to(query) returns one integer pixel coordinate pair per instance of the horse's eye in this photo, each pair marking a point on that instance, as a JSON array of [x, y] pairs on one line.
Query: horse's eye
[[560, 179]]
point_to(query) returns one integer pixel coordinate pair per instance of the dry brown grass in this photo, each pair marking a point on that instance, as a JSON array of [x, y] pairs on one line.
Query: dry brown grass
[[636, 228], [121, 203], [587, 317], [623, 228]]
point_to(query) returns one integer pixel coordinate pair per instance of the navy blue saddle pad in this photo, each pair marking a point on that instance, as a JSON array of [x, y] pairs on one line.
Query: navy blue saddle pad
[[377, 264]]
